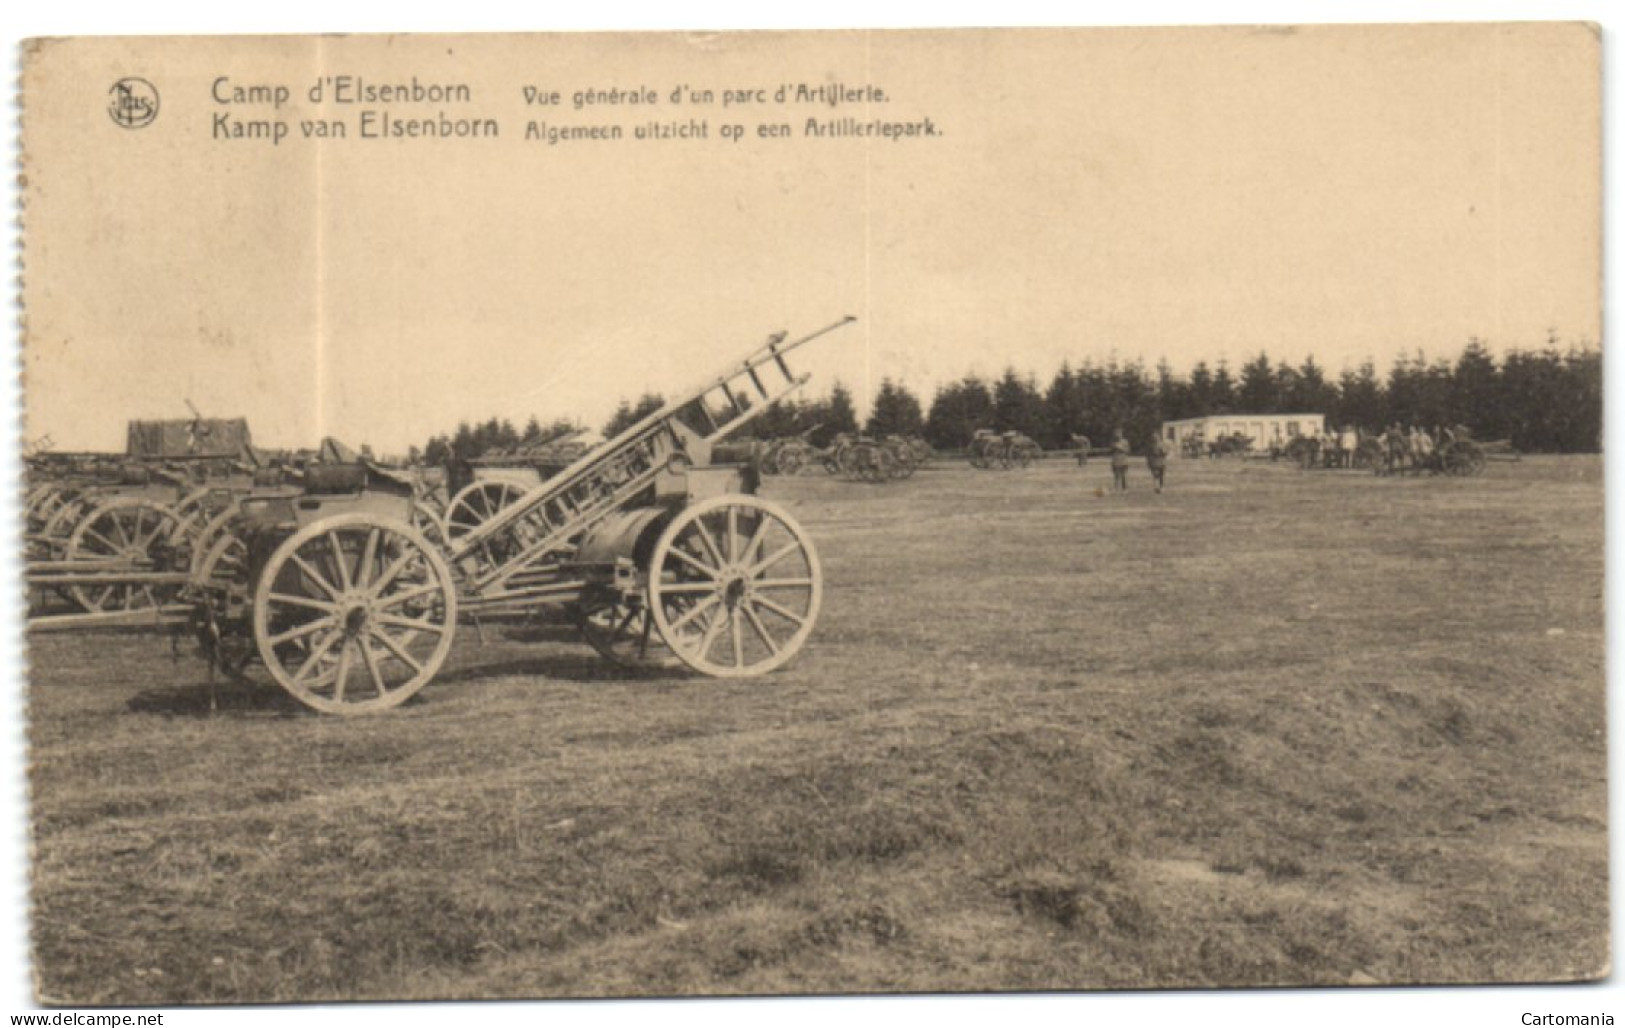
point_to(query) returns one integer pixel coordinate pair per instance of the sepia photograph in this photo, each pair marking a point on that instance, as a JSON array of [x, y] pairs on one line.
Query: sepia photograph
[[879, 512]]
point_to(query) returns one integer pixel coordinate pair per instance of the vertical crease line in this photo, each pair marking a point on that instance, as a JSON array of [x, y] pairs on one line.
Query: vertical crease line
[[868, 224], [1500, 225], [320, 260]]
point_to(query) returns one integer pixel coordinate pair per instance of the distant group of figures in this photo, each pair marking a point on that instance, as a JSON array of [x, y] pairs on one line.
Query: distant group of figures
[[1396, 449], [1156, 459]]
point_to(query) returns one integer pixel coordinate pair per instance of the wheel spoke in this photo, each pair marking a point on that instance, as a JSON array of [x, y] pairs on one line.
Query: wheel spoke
[[303, 601], [338, 559], [689, 587], [697, 610], [160, 527], [408, 623], [761, 629], [793, 546], [781, 611], [310, 571], [393, 570], [398, 651], [91, 533], [368, 552], [345, 661], [733, 534], [708, 570], [408, 596], [738, 637], [316, 654], [782, 583], [302, 631], [754, 547], [709, 637], [371, 660], [144, 539], [118, 525], [706, 540], [621, 628]]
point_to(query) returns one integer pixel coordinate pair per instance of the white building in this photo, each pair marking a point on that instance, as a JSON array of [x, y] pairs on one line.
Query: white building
[[1263, 429]]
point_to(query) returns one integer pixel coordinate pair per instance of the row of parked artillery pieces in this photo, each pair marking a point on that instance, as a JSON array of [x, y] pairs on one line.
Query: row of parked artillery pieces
[[173, 518], [857, 457], [889, 458], [176, 514]]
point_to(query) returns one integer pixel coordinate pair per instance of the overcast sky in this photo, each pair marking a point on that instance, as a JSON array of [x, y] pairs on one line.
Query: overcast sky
[[1349, 193]]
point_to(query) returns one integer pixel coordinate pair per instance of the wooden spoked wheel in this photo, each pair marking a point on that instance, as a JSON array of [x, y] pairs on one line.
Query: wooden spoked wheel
[[902, 462], [472, 507], [876, 464], [42, 502], [353, 615], [219, 556], [193, 508], [57, 529], [132, 533], [475, 504], [624, 633], [789, 460], [734, 586], [1463, 458], [428, 521], [223, 563]]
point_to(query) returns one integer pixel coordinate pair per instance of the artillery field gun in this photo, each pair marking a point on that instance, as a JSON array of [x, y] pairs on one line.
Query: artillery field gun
[[653, 549], [1003, 450], [865, 459]]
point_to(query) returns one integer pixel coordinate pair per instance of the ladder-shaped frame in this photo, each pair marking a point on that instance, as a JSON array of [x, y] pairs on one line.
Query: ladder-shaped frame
[[515, 555]]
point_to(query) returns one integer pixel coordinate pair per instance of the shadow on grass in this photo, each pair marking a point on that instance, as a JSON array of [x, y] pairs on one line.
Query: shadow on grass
[[254, 698], [229, 697], [585, 666], [534, 632]]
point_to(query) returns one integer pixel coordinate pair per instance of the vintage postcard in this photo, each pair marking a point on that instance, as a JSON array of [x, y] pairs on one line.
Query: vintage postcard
[[763, 513]]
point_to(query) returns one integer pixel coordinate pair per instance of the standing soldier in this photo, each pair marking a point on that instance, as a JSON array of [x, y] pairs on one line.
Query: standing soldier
[[1156, 458], [1348, 441], [1395, 444], [1422, 447], [1119, 463], [1311, 448], [1082, 444]]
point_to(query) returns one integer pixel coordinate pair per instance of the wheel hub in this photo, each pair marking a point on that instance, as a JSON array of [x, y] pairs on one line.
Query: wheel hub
[[356, 618]]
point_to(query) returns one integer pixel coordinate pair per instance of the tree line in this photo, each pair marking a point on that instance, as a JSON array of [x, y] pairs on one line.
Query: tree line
[[496, 435], [1546, 400]]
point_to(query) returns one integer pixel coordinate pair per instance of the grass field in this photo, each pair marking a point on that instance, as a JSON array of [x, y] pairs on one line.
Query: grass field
[[1268, 728]]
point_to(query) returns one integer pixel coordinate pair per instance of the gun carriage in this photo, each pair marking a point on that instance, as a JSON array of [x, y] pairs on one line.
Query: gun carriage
[[492, 481], [88, 512], [655, 550], [1003, 450]]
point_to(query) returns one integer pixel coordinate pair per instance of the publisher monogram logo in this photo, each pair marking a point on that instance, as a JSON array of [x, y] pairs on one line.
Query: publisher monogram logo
[[132, 103]]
